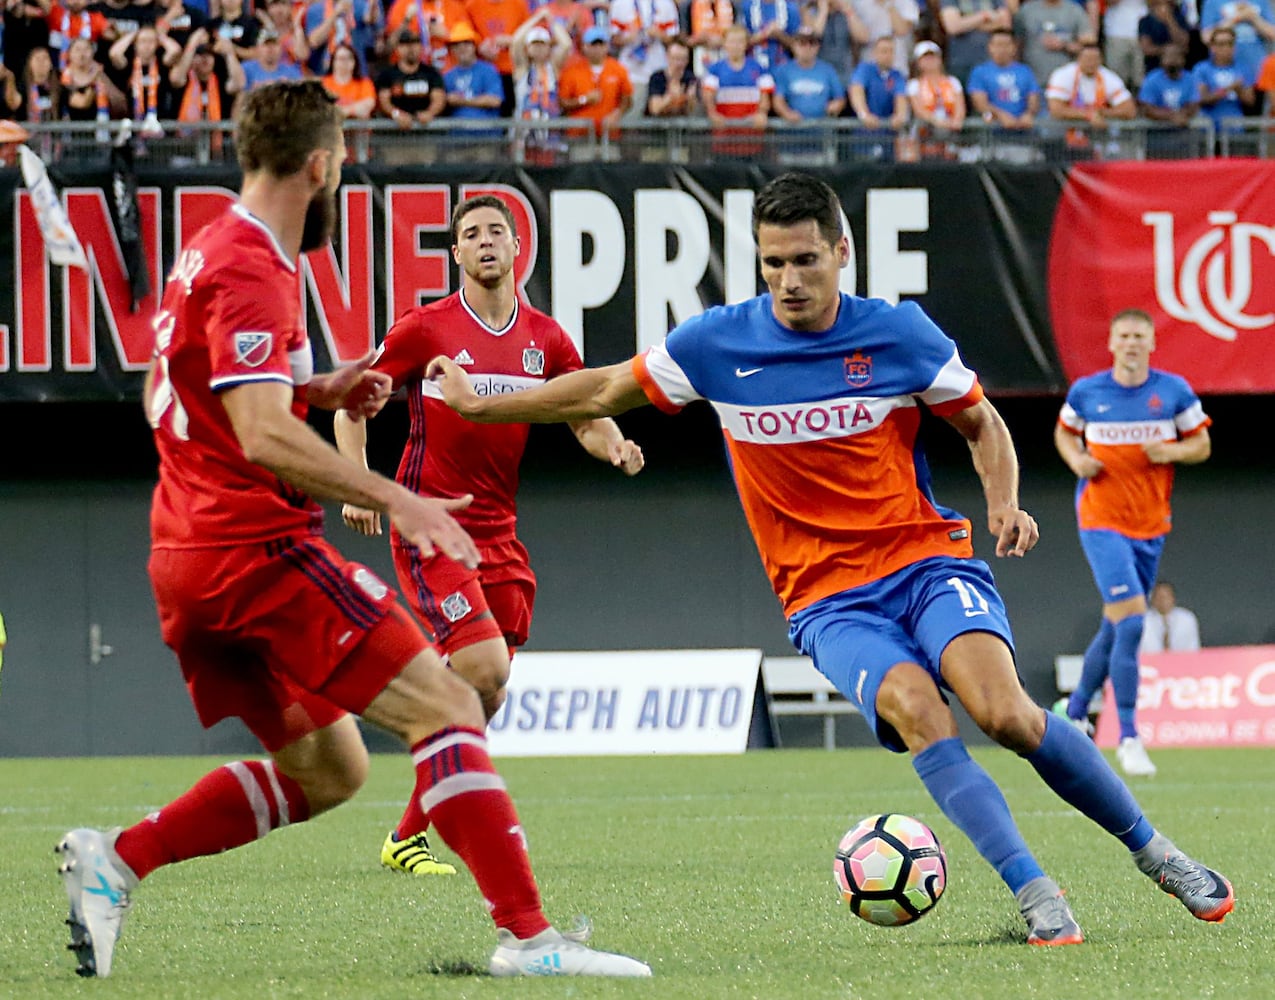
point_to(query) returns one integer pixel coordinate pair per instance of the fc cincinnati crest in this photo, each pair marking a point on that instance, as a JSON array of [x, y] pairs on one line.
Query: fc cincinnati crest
[[252, 349], [858, 370], [533, 361]]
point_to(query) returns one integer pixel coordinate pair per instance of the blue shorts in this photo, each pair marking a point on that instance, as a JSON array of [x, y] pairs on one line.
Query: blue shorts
[[1122, 567], [910, 616]]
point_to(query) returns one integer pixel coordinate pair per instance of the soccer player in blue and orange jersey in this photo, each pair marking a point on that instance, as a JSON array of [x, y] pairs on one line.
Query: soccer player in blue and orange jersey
[[1120, 432], [819, 396]]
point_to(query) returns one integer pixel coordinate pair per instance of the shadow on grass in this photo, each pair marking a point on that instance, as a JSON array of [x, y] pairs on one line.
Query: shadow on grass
[[456, 968]]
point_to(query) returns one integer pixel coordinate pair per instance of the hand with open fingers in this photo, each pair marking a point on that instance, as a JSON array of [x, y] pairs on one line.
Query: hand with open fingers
[[1015, 530], [427, 523], [452, 379], [354, 388], [360, 519], [627, 457]]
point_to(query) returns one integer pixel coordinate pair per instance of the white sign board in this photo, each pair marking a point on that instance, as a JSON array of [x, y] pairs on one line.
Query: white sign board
[[687, 701]]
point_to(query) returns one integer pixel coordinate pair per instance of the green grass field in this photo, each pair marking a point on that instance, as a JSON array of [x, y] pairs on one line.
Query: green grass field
[[716, 870]]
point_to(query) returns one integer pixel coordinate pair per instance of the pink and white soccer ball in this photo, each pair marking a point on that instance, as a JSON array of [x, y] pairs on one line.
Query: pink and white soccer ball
[[891, 869]]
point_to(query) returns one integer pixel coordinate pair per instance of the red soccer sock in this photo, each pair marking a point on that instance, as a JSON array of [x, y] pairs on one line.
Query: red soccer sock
[[229, 807], [414, 820], [465, 798]]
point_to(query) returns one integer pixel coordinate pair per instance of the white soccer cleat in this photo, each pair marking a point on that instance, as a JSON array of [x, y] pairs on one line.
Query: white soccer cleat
[[97, 885], [549, 953], [1133, 759]]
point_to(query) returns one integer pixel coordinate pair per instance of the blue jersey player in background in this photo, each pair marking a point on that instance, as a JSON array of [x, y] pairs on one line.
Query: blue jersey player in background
[[819, 396], [1120, 432]]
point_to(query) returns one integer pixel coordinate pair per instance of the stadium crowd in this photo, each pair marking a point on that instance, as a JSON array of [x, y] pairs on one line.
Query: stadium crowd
[[921, 69]]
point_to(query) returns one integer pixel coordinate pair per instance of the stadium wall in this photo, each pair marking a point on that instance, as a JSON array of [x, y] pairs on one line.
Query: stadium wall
[[660, 561]]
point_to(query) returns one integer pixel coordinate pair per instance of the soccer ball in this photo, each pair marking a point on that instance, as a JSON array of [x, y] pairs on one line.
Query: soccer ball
[[891, 869]]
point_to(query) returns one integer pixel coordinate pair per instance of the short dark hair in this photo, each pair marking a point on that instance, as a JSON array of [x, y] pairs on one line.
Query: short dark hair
[[482, 201], [282, 123], [793, 198]]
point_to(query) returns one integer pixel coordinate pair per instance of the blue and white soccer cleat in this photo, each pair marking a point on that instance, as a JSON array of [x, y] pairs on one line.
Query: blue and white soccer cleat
[[97, 884], [550, 953]]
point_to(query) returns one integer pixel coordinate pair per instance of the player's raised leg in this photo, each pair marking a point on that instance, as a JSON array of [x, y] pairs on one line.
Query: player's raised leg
[[909, 701], [441, 718]]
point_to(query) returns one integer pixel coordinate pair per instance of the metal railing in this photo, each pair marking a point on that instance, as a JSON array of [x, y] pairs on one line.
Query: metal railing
[[691, 141]]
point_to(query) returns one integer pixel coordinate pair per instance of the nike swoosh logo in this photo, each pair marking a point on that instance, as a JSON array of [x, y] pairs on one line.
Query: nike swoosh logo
[[973, 613], [745, 372]]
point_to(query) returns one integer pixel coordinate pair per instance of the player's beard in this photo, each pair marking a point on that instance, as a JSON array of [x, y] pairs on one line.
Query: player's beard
[[320, 221]]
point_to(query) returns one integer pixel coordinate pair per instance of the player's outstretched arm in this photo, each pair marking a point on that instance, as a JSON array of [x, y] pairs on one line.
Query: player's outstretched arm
[[586, 394], [261, 416], [353, 387], [997, 466], [351, 441], [604, 440]]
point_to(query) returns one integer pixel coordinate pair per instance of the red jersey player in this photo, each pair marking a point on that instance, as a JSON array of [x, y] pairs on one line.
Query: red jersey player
[[476, 618], [267, 619]]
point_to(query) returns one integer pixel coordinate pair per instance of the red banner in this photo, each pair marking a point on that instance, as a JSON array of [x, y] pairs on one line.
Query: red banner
[[1216, 697], [1191, 245]]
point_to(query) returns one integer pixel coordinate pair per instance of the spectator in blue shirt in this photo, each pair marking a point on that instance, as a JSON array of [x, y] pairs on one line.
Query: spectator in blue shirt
[[474, 87], [807, 87], [1225, 86], [771, 25], [1170, 94], [878, 91], [268, 66], [1170, 97], [1252, 22], [1004, 91], [350, 22]]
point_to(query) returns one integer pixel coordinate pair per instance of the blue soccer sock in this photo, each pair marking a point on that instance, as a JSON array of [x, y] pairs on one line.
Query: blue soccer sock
[[1094, 672], [1075, 769], [1124, 672], [970, 799]]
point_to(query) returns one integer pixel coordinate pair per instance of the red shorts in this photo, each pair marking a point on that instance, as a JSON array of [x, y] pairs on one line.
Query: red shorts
[[288, 637], [460, 606]]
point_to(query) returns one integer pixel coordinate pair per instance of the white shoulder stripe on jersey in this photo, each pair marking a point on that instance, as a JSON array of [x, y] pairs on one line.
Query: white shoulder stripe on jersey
[[953, 381], [217, 384], [820, 420], [486, 385], [1071, 419], [1136, 432], [1191, 418], [668, 375]]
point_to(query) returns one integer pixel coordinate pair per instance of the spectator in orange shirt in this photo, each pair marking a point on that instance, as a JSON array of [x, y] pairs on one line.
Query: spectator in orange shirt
[[353, 91], [496, 21], [433, 20], [1266, 85], [596, 86]]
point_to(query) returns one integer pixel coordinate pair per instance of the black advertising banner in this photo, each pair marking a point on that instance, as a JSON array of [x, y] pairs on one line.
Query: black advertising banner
[[618, 253]]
